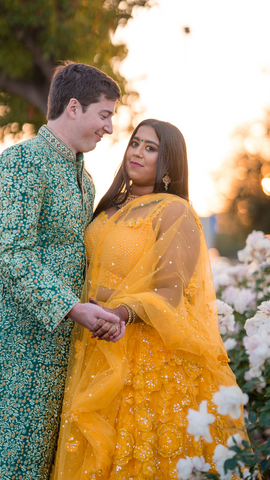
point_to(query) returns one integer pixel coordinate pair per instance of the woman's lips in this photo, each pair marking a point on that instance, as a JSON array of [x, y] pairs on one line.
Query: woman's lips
[[135, 164]]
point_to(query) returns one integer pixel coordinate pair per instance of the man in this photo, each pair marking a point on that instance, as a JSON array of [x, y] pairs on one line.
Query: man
[[46, 202]]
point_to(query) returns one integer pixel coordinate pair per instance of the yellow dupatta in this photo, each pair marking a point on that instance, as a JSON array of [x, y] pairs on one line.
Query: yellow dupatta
[[152, 256]]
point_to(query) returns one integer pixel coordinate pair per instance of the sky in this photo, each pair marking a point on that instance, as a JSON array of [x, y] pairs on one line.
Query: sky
[[207, 82]]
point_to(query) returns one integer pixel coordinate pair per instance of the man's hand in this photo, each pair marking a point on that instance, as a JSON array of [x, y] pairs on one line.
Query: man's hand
[[93, 317], [105, 333]]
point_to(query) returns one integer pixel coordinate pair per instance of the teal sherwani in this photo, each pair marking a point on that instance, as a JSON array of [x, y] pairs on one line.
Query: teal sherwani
[[46, 202]]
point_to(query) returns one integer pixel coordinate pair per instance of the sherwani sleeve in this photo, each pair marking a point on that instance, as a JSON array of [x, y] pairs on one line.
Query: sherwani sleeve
[[23, 181]]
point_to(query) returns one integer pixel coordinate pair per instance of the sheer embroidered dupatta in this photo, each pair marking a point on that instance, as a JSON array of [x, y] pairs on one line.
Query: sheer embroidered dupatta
[[166, 278]]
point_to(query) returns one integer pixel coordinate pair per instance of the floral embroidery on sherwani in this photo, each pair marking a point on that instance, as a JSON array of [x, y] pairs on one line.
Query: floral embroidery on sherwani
[[46, 202]]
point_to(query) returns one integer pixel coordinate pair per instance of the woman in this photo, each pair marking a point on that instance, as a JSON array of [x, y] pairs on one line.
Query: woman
[[126, 403]]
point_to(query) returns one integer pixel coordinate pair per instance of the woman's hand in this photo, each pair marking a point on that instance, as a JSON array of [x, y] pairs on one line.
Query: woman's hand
[[107, 330]]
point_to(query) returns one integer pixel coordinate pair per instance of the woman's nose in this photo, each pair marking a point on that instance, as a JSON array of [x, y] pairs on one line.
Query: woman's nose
[[138, 151]]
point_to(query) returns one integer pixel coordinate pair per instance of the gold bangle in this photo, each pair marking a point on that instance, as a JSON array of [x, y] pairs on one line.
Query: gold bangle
[[131, 314], [134, 316]]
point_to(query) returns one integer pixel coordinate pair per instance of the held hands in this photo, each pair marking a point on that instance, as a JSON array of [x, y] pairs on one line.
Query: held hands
[[103, 334], [105, 323]]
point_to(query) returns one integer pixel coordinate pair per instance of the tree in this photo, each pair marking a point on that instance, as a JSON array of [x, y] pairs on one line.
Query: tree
[[246, 205], [36, 35]]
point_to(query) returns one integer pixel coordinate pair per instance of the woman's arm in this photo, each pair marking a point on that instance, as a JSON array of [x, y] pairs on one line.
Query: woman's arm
[[177, 264]]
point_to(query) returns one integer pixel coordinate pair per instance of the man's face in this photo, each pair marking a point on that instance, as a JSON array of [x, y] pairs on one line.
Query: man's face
[[91, 125]]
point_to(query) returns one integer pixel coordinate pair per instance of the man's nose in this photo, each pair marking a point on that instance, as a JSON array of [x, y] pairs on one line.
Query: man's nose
[[108, 127]]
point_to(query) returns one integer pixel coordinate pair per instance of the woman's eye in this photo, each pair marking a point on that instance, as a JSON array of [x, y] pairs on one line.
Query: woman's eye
[[134, 143]]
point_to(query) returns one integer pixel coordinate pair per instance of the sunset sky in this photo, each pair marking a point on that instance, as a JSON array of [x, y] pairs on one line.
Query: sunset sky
[[206, 83]]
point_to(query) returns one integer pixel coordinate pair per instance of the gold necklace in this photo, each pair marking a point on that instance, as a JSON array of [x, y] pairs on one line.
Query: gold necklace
[[129, 199]]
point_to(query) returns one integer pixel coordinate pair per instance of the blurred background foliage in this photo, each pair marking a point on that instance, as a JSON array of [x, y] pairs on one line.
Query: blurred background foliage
[[35, 36], [246, 206]]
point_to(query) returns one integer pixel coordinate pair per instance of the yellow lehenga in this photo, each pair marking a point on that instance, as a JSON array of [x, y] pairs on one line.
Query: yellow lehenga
[[125, 406]]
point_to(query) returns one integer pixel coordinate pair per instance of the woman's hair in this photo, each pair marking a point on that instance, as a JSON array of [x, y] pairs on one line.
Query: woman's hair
[[172, 159]]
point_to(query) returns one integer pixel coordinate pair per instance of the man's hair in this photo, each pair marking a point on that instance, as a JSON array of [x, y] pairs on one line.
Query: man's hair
[[85, 83]]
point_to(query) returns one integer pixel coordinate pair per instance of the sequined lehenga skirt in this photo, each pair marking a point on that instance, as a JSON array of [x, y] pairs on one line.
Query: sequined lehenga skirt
[[149, 414]]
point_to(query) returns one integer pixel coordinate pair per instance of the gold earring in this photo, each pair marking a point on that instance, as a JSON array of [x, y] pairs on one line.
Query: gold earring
[[166, 180]]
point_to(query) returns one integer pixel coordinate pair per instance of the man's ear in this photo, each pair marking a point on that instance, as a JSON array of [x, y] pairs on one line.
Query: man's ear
[[73, 107]]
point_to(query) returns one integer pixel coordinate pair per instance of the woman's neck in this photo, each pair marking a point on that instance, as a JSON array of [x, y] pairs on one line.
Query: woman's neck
[[141, 190]]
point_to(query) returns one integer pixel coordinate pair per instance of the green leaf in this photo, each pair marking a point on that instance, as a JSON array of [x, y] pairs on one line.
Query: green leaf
[[252, 417], [265, 464], [265, 418], [230, 464]]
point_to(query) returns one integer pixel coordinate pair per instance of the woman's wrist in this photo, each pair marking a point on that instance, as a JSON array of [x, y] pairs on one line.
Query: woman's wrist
[[128, 315], [122, 312]]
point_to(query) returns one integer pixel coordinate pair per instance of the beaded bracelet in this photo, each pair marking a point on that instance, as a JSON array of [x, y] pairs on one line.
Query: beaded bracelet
[[131, 314]]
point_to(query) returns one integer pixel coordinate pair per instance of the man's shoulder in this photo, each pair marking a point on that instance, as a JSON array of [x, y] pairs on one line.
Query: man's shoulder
[[32, 148], [29, 144]]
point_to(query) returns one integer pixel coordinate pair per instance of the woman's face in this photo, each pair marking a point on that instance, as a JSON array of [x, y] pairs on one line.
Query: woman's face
[[141, 158]]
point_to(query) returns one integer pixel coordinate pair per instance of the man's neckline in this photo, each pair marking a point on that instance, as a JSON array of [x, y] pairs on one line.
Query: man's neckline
[[58, 144]]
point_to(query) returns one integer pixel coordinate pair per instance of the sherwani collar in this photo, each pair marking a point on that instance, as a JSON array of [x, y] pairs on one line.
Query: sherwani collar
[[58, 144]]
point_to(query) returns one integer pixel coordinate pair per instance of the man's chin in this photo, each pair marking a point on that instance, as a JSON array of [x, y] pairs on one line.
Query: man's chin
[[90, 148]]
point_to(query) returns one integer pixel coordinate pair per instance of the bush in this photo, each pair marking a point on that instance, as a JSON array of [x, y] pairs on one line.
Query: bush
[[243, 297]]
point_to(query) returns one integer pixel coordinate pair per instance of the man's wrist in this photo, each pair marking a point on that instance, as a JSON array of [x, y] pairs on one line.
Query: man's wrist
[[74, 310]]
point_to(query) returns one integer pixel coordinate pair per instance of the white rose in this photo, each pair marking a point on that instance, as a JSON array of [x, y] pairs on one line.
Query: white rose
[[185, 468], [257, 248], [230, 343], [257, 348], [229, 399], [200, 465], [252, 373], [235, 439], [260, 385], [238, 272], [221, 454], [253, 324], [247, 474], [265, 308], [220, 268], [220, 280], [191, 468], [255, 239], [240, 298], [225, 317], [245, 255], [229, 294], [244, 300], [198, 422]]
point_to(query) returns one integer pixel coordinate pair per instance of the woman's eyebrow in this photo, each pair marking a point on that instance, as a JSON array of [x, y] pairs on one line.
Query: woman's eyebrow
[[147, 141]]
